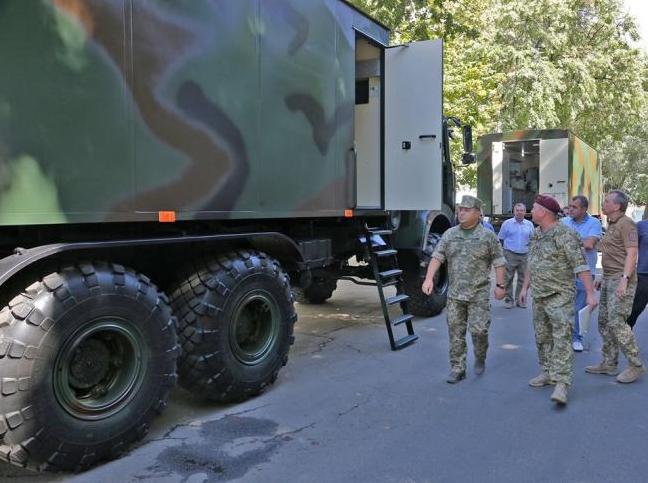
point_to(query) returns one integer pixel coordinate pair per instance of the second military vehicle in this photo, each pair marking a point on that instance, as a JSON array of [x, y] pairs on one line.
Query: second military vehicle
[[513, 167]]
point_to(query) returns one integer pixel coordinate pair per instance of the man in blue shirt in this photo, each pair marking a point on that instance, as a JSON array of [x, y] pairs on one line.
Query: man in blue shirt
[[514, 235], [486, 224], [589, 230], [641, 295]]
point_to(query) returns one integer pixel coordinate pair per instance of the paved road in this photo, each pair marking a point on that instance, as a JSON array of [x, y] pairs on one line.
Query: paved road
[[348, 409]]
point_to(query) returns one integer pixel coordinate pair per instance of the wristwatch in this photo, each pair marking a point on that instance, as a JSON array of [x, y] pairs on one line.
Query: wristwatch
[[499, 285], [624, 276]]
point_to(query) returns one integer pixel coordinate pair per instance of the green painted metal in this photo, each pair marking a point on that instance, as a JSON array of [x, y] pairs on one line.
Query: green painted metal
[[99, 369], [255, 327], [585, 173]]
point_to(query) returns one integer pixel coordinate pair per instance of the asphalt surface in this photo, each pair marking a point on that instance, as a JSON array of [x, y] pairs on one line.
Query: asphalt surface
[[346, 408]]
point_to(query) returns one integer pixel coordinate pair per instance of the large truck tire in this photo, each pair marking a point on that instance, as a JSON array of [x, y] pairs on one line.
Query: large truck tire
[[235, 325], [87, 360], [318, 292], [420, 304]]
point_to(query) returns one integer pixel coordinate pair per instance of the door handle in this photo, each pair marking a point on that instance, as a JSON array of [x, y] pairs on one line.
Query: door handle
[[427, 136]]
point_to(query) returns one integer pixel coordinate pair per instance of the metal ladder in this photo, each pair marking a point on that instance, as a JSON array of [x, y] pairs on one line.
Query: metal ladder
[[386, 273]]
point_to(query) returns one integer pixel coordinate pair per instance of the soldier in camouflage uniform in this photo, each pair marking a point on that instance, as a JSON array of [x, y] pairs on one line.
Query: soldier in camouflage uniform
[[555, 255], [619, 248], [470, 250]]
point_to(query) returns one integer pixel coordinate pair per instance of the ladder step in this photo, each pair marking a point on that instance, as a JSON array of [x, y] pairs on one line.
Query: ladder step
[[390, 283], [396, 299], [405, 341], [386, 253], [402, 319], [379, 231], [390, 273]]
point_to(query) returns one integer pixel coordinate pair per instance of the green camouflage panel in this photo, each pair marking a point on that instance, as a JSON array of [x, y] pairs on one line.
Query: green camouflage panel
[[585, 174], [469, 255], [615, 332], [462, 315], [552, 324], [554, 257], [116, 109]]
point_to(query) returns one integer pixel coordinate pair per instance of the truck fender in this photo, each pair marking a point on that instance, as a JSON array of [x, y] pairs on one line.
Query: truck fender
[[24, 258]]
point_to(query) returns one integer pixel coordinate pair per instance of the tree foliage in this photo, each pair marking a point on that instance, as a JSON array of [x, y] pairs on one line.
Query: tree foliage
[[525, 64]]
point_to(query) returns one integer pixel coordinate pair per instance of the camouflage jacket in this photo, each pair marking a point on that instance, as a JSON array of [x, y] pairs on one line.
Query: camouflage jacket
[[469, 255], [554, 257]]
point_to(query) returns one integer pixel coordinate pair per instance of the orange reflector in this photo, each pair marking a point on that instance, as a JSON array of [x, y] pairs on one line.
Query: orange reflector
[[166, 216], [348, 213]]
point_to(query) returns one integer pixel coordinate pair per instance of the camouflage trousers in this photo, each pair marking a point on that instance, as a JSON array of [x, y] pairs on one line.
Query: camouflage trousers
[[461, 315], [613, 312], [552, 323]]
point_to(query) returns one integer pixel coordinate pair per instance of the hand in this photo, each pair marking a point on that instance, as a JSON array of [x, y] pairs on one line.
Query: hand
[[428, 286], [597, 284], [591, 301], [522, 298], [500, 293], [622, 287]]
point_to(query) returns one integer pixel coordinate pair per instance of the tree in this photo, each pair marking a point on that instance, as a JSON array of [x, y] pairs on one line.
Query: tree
[[625, 165], [568, 64]]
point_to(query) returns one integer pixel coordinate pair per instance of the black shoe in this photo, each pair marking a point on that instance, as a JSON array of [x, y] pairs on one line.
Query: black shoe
[[480, 367], [455, 376]]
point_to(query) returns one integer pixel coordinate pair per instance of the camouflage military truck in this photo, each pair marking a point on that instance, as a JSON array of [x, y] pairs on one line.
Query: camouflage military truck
[[513, 167], [170, 173]]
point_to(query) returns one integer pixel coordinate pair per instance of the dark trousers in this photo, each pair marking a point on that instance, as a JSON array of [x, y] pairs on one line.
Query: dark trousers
[[640, 299]]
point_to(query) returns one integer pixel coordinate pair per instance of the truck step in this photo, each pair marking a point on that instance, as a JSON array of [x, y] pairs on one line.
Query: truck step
[[405, 341], [385, 253], [396, 299], [391, 273], [379, 231], [386, 274], [402, 319], [390, 283]]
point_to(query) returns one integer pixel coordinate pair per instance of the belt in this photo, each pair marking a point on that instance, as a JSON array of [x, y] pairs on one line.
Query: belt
[[516, 253]]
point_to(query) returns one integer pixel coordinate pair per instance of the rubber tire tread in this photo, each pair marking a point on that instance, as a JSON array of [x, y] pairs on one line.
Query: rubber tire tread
[[206, 364], [316, 293], [420, 304], [32, 326]]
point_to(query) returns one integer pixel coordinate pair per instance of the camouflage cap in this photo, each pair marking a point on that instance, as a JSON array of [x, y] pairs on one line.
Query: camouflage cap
[[468, 201]]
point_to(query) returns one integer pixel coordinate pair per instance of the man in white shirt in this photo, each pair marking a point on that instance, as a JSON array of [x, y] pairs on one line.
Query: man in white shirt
[[514, 235]]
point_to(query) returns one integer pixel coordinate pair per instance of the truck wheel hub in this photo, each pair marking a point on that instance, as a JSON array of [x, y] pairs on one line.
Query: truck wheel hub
[[254, 327], [99, 369]]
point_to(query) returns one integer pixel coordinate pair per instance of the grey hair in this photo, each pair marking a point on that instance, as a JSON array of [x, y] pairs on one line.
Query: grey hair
[[520, 204], [584, 202], [621, 199]]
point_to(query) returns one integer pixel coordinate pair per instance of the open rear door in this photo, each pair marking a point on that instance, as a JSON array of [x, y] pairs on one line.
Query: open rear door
[[554, 168], [500, 182], [413, 125]]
